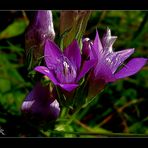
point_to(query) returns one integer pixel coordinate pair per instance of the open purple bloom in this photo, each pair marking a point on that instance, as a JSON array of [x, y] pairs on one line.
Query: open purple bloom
[[64, 69], [108, 62], [41, 104]]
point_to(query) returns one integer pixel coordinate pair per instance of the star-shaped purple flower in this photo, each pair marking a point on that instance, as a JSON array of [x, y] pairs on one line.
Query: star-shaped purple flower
[[64, 69], [108, 62]]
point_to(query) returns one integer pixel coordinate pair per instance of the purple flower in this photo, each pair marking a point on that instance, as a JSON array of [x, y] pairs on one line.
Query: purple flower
[[64, 69], [41, 104], [108, 62]]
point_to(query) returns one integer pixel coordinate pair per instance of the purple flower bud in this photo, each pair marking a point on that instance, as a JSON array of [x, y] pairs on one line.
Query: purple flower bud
[[86, 49], [41, 104], [39, 29], [43, 23]]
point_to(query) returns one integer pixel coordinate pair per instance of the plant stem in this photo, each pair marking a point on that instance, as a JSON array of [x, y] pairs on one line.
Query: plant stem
[[102, 134], [64, 112], [73, 117]]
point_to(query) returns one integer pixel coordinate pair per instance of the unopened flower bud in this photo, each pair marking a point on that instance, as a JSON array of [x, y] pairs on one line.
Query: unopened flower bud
[[40, 104], [39, 29]]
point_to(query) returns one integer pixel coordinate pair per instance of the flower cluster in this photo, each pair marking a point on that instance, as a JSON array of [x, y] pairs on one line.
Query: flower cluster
[[77, 74]]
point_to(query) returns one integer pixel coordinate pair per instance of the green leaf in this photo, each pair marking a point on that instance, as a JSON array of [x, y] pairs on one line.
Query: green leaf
[[101, 130], [8, 71], [62, 128], [16, 28], [2, 120], [5, 85], [76, 21]]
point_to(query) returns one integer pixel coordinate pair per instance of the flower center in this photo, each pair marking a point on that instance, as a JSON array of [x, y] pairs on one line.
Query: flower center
[[65, 67], [65, 71]]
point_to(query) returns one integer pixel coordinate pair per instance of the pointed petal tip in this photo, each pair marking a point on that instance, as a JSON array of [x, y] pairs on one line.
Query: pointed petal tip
[[97, 45], [127, 52], [131, 50], [41, 69], [73, 53], [97, 33], [74, 43], [52, 53], [108, 34], [108, 30]]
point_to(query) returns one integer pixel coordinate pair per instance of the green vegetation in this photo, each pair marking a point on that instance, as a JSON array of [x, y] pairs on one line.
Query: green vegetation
[[120, 110]]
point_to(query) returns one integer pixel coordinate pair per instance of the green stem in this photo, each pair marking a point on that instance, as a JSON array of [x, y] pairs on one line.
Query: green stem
[[73, 117], [102, 134], [64, 112]]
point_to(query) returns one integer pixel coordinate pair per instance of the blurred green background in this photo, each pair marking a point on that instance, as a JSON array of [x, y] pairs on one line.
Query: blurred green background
[[121, 108]]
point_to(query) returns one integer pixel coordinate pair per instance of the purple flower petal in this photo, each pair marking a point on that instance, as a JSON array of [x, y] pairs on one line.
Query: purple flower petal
[[132, 67], [27, 104], [52, 54], [108, 40], [103, 72], [119, 57], [44, 70], [54, 109], [97, 45], [85, 68], [68, 87], [72, 52]]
